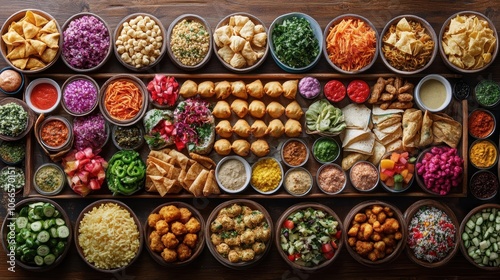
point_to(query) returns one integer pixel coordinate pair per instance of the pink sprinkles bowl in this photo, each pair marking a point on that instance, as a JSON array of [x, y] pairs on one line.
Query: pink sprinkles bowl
[[79, 95], [86, 42]]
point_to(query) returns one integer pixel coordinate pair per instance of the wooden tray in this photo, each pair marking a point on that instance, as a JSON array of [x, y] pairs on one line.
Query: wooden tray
[[35, 156]]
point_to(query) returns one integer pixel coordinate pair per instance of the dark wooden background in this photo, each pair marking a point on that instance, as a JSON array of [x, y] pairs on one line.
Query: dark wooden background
[[206, 267]]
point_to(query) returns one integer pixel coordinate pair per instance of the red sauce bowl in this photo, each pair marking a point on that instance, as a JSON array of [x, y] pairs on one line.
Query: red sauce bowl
[[43, 95]]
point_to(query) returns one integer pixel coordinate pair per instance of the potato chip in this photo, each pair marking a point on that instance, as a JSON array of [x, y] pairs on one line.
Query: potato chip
[[469, 42]]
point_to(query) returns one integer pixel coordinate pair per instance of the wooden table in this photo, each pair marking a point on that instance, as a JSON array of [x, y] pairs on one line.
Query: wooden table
[[273, 267]]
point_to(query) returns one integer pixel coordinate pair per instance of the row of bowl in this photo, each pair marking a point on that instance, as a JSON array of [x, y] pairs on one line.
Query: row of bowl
[[140, 41], [175, 233]]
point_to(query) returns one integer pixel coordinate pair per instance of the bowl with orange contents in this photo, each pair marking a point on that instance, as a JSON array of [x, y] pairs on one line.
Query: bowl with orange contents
[[397, 170], [123, 100]]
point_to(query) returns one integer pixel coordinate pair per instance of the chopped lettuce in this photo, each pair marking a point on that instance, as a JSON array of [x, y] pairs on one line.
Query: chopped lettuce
[[324, 117]]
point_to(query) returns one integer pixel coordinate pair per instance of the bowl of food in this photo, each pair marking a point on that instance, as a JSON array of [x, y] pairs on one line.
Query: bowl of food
[[240, 42], [17, 119], [468, 55], [49, 179], [254, 233], [433, 233], [375, 220], [190, 42], [396, 171], [120, 241], [475, 245], [484, 185], [483, 154], [298, 181], [90, 131], [233, 174], [481, 123], [127, 137], [79, 95], [294, 152], [325, 149], [44, 34], [433, 93], [442, 177], [140, 41], [123, 99], [163, 91], [86, 42], [295, 230], [408, 45], [364, 176], [334, 91], [55, 133], [43, 95], [174, 234], [39, 234], [12, 152], [331, 178], [267, 175], [487, 93], [345, 54], [283, 35], [12, 179], [11, 81]]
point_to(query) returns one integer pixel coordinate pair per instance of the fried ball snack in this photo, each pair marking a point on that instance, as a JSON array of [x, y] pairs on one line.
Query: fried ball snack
[[241, 147], [242, 128], [257, 109], [294, 111], [222, 110], [255, 89], [258, 129], [275, 109], [222, 147], [224, 129], [290, 89], [240, 107], [260, 148], [206, 89]]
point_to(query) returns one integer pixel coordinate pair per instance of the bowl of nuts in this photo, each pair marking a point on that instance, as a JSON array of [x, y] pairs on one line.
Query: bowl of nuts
[[140, 41]]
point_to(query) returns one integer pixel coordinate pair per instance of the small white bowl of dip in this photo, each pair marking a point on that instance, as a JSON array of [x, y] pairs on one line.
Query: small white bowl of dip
[[433, 93], [233, 174]]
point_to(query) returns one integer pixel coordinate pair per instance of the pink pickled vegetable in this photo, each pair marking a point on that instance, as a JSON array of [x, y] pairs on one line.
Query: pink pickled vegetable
[[85, 170], [164, 90], [441, 169]]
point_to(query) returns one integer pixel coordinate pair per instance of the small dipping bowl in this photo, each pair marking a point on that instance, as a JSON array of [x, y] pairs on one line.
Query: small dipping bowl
[[325, 150], [487, 152], [294, 152], [309, 87], [49, 179], [122, 135], [364, 183], [331, 178], [229, 172], [56, 133], [80, 95], [261, 173], [481, 123], [298, 181], [12, 152], [44, 90], [484, 185], [487, 93], [433, 93], [11, 81]]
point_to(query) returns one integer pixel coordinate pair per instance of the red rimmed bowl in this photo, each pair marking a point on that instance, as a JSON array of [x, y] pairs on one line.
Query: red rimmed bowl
[[113, 250], [255, 222], [174, 234]]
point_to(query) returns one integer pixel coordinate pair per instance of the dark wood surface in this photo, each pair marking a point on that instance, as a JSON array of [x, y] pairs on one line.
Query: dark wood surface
[[206, 266]]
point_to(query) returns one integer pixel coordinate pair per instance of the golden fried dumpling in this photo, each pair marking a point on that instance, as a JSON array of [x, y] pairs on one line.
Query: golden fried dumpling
[[222, 147], [255, 89], [238, 89], [249, 54], [260, 39], [224, 129], [222, 90], [257, 109], [294, 111], [290, 88], [242, 128], [241, 147], [240, 107], [293, 128], [247, 31], [226, 53], [188, 89], [222, 35], [275, 128], [275, 109], [206, 89], [258, 128], [273, 89], [260, 148], [222, 110], [238, 61]]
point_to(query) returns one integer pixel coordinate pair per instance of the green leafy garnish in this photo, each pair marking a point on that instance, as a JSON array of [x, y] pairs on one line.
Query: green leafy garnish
[[324, 117]]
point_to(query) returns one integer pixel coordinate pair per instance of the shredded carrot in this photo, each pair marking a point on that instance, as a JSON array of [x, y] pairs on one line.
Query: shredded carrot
[[123, 100], [351, 44]]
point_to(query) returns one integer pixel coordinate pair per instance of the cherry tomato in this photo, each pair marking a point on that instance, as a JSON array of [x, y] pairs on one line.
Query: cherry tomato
[[338, 234], [288, 224], [358, 91], [329, 255], [334, 91], [291, 258], [327, 247]]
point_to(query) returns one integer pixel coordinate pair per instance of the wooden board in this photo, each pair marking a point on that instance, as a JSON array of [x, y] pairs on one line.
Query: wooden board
[[35, 156]]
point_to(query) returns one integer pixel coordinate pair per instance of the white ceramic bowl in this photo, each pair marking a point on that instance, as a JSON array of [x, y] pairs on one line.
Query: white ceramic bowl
[[447, 98], [280, 182], [248, 174], [30, 88]]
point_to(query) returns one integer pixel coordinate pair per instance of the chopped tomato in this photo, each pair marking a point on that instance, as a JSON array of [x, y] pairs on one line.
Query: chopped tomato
[[334, 91], [327, 247], [288, 224], [338, 234], [358, 91], [334, 244]]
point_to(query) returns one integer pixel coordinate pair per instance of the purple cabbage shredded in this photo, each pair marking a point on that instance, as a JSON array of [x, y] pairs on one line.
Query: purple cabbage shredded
[[90, 132], [80, 96]]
